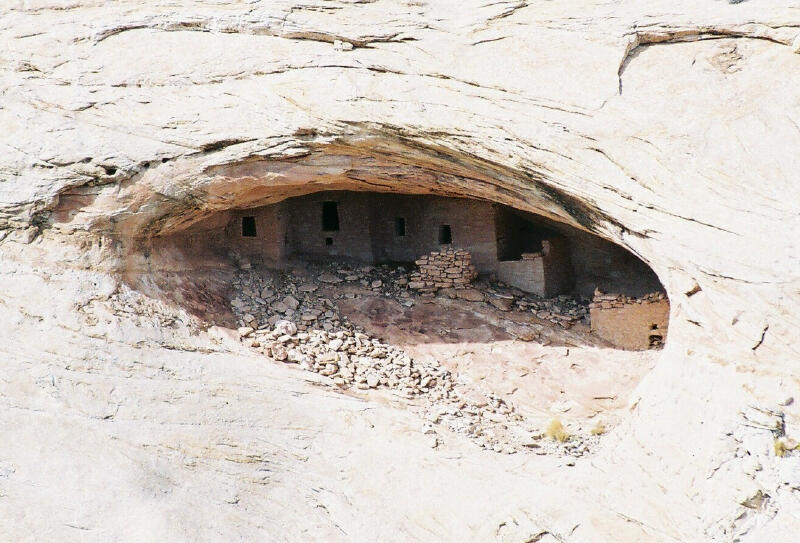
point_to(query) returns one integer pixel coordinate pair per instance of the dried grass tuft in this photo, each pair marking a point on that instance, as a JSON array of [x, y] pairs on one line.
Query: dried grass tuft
[[556, 431]]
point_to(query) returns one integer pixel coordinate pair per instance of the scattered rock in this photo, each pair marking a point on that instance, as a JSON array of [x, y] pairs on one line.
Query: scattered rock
[[245, 331], [503, 304], [279, 352], [287, 328], [329, 278], [309, 331], [470, 294]]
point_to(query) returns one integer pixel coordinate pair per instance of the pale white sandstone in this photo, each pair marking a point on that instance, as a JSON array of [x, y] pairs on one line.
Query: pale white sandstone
[[670, 128]]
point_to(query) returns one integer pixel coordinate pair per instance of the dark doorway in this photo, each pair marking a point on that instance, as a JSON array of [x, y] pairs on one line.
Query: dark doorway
[[248, 227], [400, 227], [445, 235], [330, 216], [517, 235]]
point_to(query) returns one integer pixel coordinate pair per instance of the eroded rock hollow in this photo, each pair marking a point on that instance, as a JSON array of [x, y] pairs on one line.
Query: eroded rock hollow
[[239, 244]]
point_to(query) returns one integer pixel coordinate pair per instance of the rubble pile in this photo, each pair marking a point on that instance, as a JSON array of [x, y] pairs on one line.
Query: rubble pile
[[290, 322], [562, 310], [451, 268], [451, 273]]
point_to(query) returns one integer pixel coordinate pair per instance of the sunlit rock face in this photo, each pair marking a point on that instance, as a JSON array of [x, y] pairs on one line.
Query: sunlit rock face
[[670, 129]]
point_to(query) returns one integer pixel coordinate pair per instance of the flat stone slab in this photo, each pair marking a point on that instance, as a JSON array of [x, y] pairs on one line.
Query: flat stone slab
[[470, 294], [329, 278]]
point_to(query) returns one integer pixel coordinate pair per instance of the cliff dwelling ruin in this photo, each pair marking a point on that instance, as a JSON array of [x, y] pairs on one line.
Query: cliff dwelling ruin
[[451, 301], [443, 244], [386, 270]]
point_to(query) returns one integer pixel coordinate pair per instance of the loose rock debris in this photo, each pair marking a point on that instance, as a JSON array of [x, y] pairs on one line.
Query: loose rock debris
[[288, 320]]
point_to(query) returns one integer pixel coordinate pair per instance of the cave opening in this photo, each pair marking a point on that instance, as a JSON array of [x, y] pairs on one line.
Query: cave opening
[[440, 277], [361, 287], [445, 243]]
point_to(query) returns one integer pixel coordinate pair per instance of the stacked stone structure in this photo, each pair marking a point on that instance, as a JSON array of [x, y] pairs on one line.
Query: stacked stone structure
[[451, 268], [630, 323], [545, 273], [602, 300]]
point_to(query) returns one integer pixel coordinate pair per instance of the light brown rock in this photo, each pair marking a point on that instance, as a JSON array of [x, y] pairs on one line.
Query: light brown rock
[[470, 294]]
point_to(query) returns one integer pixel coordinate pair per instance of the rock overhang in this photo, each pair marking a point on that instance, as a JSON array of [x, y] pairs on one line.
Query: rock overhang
[[686, 145], [164, 197]]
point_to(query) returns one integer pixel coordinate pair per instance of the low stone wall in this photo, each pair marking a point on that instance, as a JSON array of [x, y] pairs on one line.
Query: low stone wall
[[527, 274], [451, 268], [630, 323], [546, 273]]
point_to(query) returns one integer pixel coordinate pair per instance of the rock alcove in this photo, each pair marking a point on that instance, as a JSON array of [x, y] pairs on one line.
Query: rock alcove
[[316, 261], [536, 262], [374, 201], [657, 127]]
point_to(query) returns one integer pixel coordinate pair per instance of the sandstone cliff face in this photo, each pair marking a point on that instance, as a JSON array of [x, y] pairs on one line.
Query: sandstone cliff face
[[670, 128]]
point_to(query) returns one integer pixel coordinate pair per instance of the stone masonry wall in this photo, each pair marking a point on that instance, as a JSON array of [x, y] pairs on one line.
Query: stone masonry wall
[[451, 268], [471, 223], [268, 245], [368, 233], [352, 240], [546, 273], [630, 323], [527, 274], [367, 227]]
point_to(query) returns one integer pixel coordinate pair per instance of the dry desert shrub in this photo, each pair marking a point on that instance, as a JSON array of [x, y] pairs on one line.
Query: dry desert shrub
[[599, 429], [556, 431]]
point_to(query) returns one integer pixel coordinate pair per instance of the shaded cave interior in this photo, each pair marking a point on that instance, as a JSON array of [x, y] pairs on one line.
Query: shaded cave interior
[[519, 249]]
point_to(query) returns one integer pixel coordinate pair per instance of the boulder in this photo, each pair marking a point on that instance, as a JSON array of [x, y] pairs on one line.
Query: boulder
[[470, 294], [503, 304], [329, 278], [285, 328]]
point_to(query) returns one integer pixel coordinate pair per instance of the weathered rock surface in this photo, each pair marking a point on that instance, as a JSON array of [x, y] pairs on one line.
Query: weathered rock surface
[[670, 128]]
